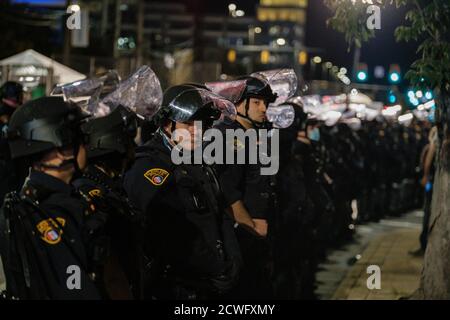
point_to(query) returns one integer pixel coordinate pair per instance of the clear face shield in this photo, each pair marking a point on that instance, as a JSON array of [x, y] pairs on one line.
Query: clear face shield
[[87, 93], [230, 90]]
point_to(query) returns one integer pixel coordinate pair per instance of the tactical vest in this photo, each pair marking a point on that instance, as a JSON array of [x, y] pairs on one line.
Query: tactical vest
[[200, 195], [25, 274]]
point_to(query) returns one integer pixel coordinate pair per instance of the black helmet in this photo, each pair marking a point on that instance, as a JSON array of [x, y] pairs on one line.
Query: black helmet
[[184, 103], [112, 133], [13, 93], [43, 124], [257, 88], [301, 117]]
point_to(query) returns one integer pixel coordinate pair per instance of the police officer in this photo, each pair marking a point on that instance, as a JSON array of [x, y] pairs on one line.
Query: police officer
[[43, 228], [11, 96], [110, 151], [249, 194], [189, 236]]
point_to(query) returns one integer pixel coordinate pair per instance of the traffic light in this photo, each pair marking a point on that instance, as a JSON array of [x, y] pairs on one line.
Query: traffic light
[[394, 73], [362, 73], [392, 98]]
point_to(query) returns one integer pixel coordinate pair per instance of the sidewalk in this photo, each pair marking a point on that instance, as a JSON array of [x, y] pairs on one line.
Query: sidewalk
[[400, 272]]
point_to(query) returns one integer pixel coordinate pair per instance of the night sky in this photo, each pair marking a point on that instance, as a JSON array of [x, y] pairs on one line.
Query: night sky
[[382, 50]]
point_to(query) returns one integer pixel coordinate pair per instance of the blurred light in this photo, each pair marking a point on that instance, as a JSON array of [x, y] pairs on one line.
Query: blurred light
[[379, 72], [362, 76], [240, 13], [265, 56], [258, 30], [328, 65], [223, 76], [405, 117], [29, 79], [397, 108], [358, 257], [429, 95], [281, 41], [411, 94], [317, 59], [74, 8], [419, 94], [420, 107], [343, 71], [169, 61], [415, 102], [354, 92], [394, 77], [232, 7], [123, 7], [429, 104], [346, 80], [334, 69], [231, 56], [392, 98], [303, 58]]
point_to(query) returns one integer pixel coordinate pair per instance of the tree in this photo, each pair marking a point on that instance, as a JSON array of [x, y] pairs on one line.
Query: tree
[[428, 23]]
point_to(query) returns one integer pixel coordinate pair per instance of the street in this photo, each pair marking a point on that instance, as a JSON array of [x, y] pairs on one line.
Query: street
[[385, 243]]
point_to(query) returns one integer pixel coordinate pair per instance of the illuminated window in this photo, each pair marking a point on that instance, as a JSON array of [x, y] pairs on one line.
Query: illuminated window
[[281, 3]]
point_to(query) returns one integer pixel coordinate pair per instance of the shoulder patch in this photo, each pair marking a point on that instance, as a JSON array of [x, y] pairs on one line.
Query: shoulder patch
[[95, 192], [156, 176], [50, 231]]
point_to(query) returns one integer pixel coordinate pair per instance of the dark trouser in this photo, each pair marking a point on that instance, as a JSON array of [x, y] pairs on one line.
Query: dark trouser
[[426, 219], [255, 282]]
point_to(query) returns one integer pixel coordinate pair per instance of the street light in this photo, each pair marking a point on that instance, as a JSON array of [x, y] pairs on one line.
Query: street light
[[74, 8], [362, 76], [317, 59], [281, 41]]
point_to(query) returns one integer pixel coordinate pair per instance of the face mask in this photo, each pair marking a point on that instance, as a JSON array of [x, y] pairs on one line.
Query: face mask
[[314, 134]]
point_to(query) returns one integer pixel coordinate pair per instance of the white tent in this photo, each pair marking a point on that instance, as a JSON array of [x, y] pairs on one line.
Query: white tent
[[32, 63]]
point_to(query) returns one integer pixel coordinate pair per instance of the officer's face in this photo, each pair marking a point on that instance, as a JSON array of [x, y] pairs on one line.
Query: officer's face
[[188, 135], [4, 119], [59, 163], [82, 158], [257, 109]]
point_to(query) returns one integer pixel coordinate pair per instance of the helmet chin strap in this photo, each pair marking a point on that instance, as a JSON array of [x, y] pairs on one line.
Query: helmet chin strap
[[256, 124], [73, 161]]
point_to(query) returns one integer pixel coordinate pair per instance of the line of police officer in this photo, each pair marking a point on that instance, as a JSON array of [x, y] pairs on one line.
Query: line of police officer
[[97, 218]]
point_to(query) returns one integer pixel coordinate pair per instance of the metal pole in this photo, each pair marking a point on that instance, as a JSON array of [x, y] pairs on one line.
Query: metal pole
[[67, 34], [105, 10], [117, 30], [356, 58]]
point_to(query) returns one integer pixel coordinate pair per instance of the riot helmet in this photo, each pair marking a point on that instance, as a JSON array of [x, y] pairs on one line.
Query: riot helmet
[[44, 124]]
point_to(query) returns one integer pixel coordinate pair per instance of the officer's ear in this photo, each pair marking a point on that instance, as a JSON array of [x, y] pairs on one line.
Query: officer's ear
[[240, 106], [169, 126]]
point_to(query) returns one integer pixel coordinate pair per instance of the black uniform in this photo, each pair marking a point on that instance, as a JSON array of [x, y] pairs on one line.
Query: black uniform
[[8, 177], [188, 235], [244, 182], [120, 233], [49, 236]]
